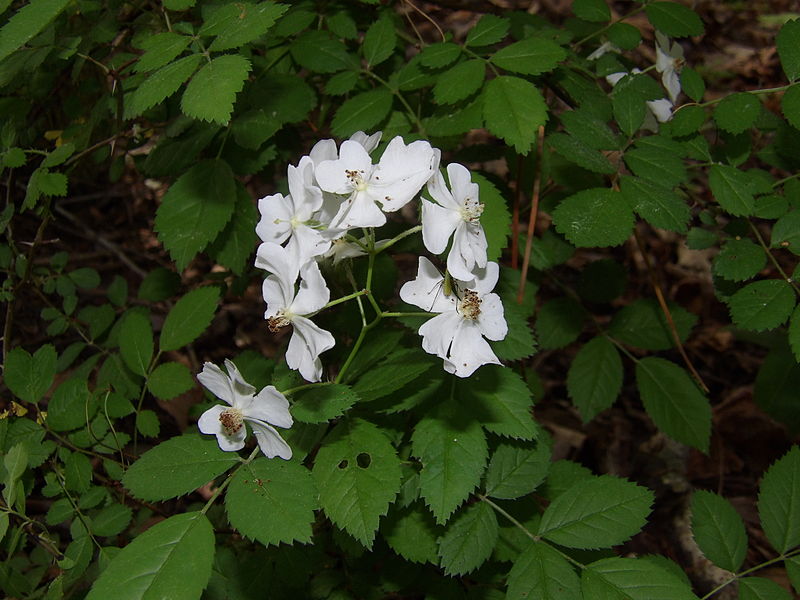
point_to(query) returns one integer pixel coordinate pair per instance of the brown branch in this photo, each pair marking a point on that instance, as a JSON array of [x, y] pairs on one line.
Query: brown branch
[[537, 184]]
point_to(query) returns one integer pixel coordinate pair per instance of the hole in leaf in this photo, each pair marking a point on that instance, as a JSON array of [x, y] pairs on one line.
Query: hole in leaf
[[363, 460], [343, 464]]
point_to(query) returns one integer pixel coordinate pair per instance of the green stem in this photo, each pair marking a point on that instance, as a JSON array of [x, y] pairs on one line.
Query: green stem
[[772, 258], [356, 347], [412, 115], [306, 386], [781, 88], [408, 314], [399, 237], [759, 566], [340, 300], [607, 27], [228, 479]]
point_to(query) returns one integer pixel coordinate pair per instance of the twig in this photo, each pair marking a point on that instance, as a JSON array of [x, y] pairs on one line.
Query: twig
[[515, 216], [537, 183]]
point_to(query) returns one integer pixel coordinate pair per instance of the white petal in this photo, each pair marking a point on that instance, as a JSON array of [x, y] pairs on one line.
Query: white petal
[[437, 333], [277, 260], [274, 296], [491, 322], [426, 291], [485, 279], [370, 142], [461, 183], [307, 343], [614, 78], [313, 293], [323, 150], [661, 109], [469, 351], [306, 196], [305, 244], [402, 171], [276, 215], [332, 175], [438, 224], [271, 406], [270, 441], [217, 382], [468, 251], [438, 190], [240, 387], [672, 83], [359, 210], [209, 423]]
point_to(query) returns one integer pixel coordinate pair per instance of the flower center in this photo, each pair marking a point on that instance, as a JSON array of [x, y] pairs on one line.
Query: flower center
[[232, 420], [472, 210], [356, 178], [279, 320], [469, 306]]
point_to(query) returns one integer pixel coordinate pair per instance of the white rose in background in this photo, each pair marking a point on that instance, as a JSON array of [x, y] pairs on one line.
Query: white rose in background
[[669, 61]]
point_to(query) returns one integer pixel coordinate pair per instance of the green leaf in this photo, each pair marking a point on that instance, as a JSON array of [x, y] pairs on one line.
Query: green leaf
[[272, 501], [595, 376], [516, 470], [243, 24], [602, 280], [595, 11], [160, 49], [160, 85], [212, 91], [794, 332], [531, 56], [169, 379], [692, 84], [189, 318], [358, 474], [514, 110], [13, 158], [629, 108], [790, 104], [640, 579], [44, 183], [453, 452], [469, 539], [459, 82], [112, 520], [27, 22], [195, 209], [159, 284], [762, 305], [519, 342], [177, 466], [363, 112], [489, 30], [233, 247], [788, 44], [718, 530], [779, 502], [596, 513], [379, 42], [321, 404], [737, 112], [412, 533], [643, 324], [688, 119], [439, 55], [171, 560], [398, 369], [500, 401], [59, 155], [496, 219], [739, 259], [594, 217], [658, 205], [624, 35], [70, 408], [657, 160], [589, 129], [595, 587], [574, 150], [559, 322], [733, 189], [540, 572], [29, 377], [342, 83], [674, 19], [786, 232], [674, 402], [319, 53], [77, 472], [760, 588], [342, 25], [136, 342]]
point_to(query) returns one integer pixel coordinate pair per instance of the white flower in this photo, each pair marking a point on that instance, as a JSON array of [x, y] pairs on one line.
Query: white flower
[[604, 48], [369, 189], [263, 410], [291, 217], [459, 212], [660, 110], [285, 307], [467, 315], [669, 61]]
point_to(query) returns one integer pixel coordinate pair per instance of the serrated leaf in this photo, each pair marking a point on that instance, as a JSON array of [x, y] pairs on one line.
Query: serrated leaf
[[531, 56], [762, 305], [172, 560], [439, 55], [358, 474], [212, 91], [321, 404], [540, 572], [70, 408], [794, 333], [195, 209], [739, 259], [177, 466], [595, 376], [136, 342], [459, 82], [559, 322], [272, 501], [589, 129], [489, 30], [779, 501], [575, 151], [643, 324], [595, 587], [596, 513], [500, 401], [641, 579], [516, 470], [362, 112], [29, 377], [160, 85], [786, 232], [412, 533], [111, 520], [453, 452], [519, 342], [189, 318], [514, 110], [718, 530], [246, 23], [737, 112], [629, 108], [398, 369], [77, 472], [760, 588], [790, 105], [59, 155], [233, 247], [469, 539], [379, 41], [595, 11], [788, 44], [733, 189], [169, 379], [594, 217], [27, 22], [658, 205], [674, 402], [319, 53], [657, 160], [160, 49], [496, 218], [674, 19]]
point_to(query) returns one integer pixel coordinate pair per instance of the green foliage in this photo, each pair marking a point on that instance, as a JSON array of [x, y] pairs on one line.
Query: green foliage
[[779, 501], [469, 539], [595, 377], [29, 377], [136, 342], [169, 380], [531, 56], [639, 580], [788, 44], [594, 217], [542, 572], [762, 305], [516, 470], [211, 92], [27, 22], [644, 325], [591, 10], [759, 588], [786, 232], [718, 530], [737, 112], [739, 259], [674, 19], [514, 110], [366, 110], [188, 318], [733, 189], [161, 84]]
